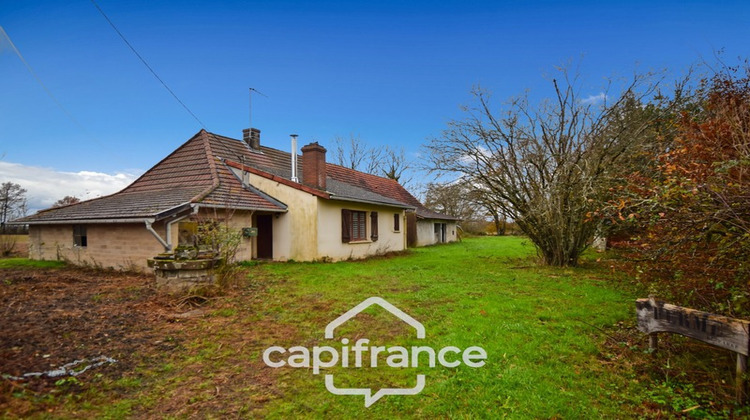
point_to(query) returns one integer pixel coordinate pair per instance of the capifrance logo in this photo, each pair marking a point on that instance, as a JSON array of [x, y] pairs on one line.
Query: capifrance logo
[[362, 354]]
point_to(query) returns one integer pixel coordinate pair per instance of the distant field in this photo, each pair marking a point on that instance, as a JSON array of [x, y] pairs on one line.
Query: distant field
[[21, 247], [560, 343]]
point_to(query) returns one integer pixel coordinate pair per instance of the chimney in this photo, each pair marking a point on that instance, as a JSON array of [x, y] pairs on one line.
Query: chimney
[[251, 136], [314, 166], [293, 155]]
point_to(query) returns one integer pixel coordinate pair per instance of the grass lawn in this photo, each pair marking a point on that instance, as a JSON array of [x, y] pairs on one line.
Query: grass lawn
[[538, 326], [544, 331], [27, 263]]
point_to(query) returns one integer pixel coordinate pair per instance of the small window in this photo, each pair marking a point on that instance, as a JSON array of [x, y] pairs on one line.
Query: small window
[[353, 225], [397, 222], [79, 235]]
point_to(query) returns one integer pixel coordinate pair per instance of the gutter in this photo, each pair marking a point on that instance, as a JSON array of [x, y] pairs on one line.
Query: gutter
[[168, 243], [376, 203], [79, 221]]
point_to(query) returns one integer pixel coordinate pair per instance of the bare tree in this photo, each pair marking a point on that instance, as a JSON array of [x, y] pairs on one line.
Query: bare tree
[[396, 166], [546, 165], [12, 202], [451, 198], [66, 201], [355, 153], [490, 204]]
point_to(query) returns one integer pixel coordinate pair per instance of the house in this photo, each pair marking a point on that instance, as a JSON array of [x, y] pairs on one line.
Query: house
[[289, 207]]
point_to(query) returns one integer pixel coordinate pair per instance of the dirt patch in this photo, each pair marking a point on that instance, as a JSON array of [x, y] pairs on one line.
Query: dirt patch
[[55, 316], [176, 355]]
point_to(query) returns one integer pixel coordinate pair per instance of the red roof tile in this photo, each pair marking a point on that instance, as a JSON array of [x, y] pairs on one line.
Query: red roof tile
[[191, 174], [198, 172]]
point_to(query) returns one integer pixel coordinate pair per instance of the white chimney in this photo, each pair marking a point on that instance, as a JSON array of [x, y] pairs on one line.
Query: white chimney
[[294, 158]]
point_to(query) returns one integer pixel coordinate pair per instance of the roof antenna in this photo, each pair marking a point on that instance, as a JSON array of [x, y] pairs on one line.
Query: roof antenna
[[250, 105]]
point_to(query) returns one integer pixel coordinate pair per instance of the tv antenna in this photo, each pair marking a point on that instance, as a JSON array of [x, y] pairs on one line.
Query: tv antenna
[[250, 104]]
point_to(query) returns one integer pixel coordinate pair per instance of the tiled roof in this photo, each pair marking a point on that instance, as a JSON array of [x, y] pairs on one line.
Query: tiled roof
[[198, 172], [190, 174], [342, 183], [382, 186]]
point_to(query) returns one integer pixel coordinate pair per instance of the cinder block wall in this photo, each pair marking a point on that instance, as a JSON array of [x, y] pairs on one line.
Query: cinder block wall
[[118, 246]]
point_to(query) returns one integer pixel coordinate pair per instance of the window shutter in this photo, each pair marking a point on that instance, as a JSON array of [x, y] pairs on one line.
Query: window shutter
[[397, 222], [346, 223], [374, 226]]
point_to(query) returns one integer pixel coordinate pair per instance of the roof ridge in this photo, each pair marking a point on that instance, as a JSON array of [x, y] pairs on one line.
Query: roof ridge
[[252, 188], [212, 166], [161, 161]]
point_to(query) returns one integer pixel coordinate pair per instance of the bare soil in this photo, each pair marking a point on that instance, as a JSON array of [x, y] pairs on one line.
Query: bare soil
[[52, 317]]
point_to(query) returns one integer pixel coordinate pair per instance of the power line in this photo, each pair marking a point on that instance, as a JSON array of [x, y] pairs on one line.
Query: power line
[[146, 64], [250, 104], [4, 35]]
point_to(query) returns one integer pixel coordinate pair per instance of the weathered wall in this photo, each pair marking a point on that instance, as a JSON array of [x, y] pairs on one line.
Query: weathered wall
[[294, 232], [237, 219], [426, 231], [329, 231], [118, 246]]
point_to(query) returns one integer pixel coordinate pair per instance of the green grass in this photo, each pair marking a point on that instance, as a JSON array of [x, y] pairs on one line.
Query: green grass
[[544, 330], [538, 326], [27, 263]]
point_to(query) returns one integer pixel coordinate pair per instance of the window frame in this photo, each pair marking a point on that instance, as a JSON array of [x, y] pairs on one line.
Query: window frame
[[355, 227], [397, 222], [80, 236], [358, 226]]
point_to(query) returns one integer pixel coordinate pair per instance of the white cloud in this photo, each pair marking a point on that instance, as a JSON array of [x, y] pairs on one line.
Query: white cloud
[[595, 99], [44, 186]]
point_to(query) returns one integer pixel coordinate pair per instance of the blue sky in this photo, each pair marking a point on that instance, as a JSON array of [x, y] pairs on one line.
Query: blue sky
[[391, 72]]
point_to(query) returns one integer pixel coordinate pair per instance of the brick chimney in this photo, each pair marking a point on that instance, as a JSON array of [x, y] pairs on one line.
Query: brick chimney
[[314, 166], [251, 136]]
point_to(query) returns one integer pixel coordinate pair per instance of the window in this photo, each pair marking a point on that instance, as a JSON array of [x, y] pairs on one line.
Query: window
[[79, 235], [397, 222], [359, 226], [354, 226]]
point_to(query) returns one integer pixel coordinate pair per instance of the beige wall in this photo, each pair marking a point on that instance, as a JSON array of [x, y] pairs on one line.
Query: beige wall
[[118, 246], [329, 231], [295, 234], [311, 228], [426, 231], [238, 219]]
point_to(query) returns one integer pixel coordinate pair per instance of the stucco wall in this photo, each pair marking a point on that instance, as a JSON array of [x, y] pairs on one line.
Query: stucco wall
[[118, 246], [329, 234], [237, 219], [426, 231], [295, 234]]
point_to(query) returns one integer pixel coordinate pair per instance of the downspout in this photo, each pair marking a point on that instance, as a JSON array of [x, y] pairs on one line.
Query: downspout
[[168, 243], [163, 243]]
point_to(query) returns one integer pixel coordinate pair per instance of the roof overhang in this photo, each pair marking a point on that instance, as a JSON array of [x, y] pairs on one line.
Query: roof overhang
[[85, 221], [218, 206], [372, 202]]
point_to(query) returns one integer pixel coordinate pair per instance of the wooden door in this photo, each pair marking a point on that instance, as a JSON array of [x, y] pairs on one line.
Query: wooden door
[[264, 241]]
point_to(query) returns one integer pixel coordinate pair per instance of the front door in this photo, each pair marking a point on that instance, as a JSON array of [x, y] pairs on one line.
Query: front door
[[265, 236]]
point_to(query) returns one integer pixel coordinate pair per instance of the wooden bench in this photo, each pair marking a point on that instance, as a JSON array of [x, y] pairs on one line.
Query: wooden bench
[[655, 316]]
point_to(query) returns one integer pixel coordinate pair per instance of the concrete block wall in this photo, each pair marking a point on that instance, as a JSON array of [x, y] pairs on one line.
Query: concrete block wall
[[119, 246]]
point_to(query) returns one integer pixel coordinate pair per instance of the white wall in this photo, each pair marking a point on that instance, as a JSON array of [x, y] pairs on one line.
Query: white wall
[[329, 231], [294, 232], [426, 231]]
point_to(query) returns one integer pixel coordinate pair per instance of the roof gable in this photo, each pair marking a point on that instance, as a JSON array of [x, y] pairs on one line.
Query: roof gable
[[198, 172], [191, 174]]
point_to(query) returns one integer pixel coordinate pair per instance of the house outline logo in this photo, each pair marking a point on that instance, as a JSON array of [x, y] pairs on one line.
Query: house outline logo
[[303, 357], [398, 313], [370, 397]]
